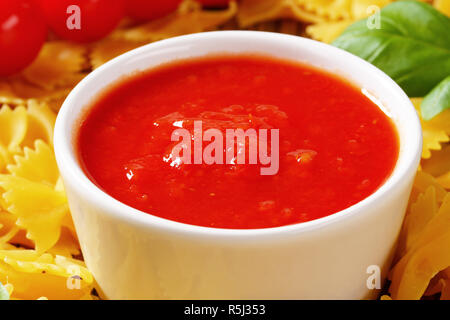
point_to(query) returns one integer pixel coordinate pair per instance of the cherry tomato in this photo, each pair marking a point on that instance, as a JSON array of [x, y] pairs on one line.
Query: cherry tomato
[[151, 9], [22, 34], [83, 20], [215, 3]]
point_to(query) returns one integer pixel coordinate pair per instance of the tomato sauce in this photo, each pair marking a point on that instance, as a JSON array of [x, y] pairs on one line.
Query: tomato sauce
[[336, 147]]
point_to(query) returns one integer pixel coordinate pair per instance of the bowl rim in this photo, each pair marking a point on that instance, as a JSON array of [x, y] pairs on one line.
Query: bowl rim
[[71, 170]]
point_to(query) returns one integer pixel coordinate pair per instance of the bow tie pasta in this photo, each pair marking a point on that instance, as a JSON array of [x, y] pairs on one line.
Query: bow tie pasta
[[40, 256]]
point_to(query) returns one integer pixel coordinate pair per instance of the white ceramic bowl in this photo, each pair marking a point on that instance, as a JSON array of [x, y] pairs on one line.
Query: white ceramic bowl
[[134, 255]]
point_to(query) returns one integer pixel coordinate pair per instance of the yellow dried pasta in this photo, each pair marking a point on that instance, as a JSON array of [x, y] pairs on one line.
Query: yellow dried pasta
[[14, 127], [443, 6], [8, 226], [438, 163], [7, 94], [67, 245], [59, 64], [24, 91], [109, 48], [363, 8], [350, 12], [420, 213], [13, 124], [330, 9], [313, 11], [39, 165], [433, 135], [36, 165], [440, 121], [43, 218], [444, 180], [422, 182], [41, 120], [21, 126], [190, 18], [327, 31], [428, 254], [252, 12], [41, 215], [34, 177], [43, 221], [8, 234], [34, 275], [422, 266], [426, 193]]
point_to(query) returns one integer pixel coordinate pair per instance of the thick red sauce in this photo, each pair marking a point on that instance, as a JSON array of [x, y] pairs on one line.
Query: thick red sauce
[[336, 146]]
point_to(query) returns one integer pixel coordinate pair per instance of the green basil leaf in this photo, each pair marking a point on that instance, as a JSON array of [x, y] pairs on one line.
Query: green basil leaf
[[437, 100], [4, 295], [412, 45]]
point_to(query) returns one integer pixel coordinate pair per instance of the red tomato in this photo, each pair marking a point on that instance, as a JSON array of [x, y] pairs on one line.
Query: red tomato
[[83, 20], [22, 34], [151, 9], [215, 3]]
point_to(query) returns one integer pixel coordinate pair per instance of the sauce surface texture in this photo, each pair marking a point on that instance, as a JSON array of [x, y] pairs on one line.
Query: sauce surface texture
[[336, 146]]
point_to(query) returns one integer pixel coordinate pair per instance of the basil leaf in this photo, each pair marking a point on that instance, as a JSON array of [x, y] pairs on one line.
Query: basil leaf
[[4, 295], [412, 45], [437, 100]]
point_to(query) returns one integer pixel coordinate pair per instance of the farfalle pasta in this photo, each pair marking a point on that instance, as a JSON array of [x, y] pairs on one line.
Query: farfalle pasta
[[32, 275], [110, 48], [34, 177], [327, 31], [21, 126], [350, 11], [13, 124], [439, 162], [433, 135], [443, 6], [252, 12], [190, 18], [426, 255], [36, 165], [41, 226], [43, 221], [41, 120], [330, 9], [59, 64]]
